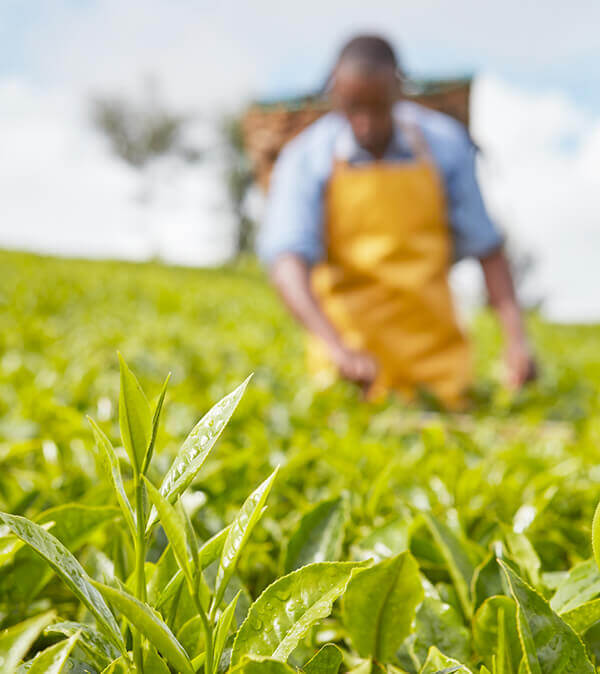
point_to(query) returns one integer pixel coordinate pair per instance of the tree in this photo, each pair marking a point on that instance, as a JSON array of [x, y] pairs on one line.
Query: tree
[[142, 130], [239, 178]]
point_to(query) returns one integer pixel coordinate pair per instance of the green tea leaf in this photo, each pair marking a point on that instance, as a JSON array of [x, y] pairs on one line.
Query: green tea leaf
[[582, 617], [596, 535], [523, 553], [153, 663], [550, 645], [69, 569], [198, 661], [119, 666], [174, 529], [223, 627], [53, 659], [112, 469], [149, 623], [486, 581], [379, 606], [191, 636], [155, 421], [18, 639], [386, 541], [581, 584], [238, 535], [495, 635], [288, 608], [326, 661], [159, 577], [457, 560], [438, 663], [101, 651], [208, 553], [135, 417], [9, 546], [319, 535], [74, 523], [191, 537], [197, 446], [438, 623], [258, 665], [365, 667], [212, 549]]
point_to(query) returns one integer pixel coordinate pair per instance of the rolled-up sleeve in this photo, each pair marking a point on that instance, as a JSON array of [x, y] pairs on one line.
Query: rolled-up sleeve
[[474, 233], [293, 221]]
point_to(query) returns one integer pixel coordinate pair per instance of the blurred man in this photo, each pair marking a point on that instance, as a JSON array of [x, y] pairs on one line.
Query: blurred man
[[368, 208]]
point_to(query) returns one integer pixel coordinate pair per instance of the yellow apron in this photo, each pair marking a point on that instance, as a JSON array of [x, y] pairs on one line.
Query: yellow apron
[[384, 282]]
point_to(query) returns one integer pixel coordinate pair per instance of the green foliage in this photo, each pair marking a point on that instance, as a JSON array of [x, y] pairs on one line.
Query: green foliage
[[438, 663], [54, 659], [16, 640], [135, 417], [195, 449], [99, 651], [238, 535], [289, 607], [111, 469], [459, 566], [549, 644], [142, 617], [495, 635], [319, 535], [68, 568], [262, 666], [155, 549], [325, 661], [379, 606]]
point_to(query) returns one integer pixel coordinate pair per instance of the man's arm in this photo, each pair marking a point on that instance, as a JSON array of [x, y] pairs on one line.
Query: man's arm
[[501, 293], [475, 235], [291, 276]]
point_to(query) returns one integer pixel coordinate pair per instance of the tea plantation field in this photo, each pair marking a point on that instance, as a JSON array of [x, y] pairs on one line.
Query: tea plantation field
[[311, 531]]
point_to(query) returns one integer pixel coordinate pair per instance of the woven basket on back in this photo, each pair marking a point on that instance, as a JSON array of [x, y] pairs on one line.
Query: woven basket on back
[[268, 127]]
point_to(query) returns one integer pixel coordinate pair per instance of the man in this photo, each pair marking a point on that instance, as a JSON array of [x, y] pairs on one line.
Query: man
[[368, 207]]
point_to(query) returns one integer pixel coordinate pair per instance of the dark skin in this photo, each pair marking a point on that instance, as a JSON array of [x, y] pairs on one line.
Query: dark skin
[[366, 99]]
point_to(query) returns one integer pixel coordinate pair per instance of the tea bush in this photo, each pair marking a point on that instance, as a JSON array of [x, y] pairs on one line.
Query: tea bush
[[319, 533]]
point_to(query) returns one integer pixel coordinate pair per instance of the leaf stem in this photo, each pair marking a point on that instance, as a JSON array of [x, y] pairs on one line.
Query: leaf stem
[[140, 571], [208, 668]]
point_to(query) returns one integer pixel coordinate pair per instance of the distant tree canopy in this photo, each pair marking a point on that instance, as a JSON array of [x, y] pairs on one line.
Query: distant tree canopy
[[239, 177], [141, 129]]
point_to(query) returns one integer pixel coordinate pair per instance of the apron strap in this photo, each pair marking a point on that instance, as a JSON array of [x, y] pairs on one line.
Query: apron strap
[[416, 140]]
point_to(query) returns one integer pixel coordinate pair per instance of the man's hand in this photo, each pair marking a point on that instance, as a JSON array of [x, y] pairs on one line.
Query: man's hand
[[357, 366], [520, 363], [290, 275], [498, 279]]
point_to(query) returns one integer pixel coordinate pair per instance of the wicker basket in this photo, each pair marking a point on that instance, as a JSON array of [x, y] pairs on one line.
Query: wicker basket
[[267, 127]]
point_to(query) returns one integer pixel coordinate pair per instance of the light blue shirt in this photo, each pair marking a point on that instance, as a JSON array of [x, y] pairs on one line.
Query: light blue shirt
[[294, 214]]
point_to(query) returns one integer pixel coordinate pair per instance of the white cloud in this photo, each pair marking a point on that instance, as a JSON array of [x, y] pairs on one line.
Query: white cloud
[[62, 191], [541, 181], [209, 48], [111, 45]]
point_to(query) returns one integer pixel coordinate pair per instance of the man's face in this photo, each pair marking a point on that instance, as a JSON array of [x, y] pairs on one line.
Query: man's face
[[366, 99]]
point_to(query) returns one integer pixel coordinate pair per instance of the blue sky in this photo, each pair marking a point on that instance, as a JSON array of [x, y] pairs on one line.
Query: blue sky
[[551, 45]]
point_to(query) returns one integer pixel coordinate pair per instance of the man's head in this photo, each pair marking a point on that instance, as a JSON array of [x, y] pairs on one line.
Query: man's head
[[365, 85]]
